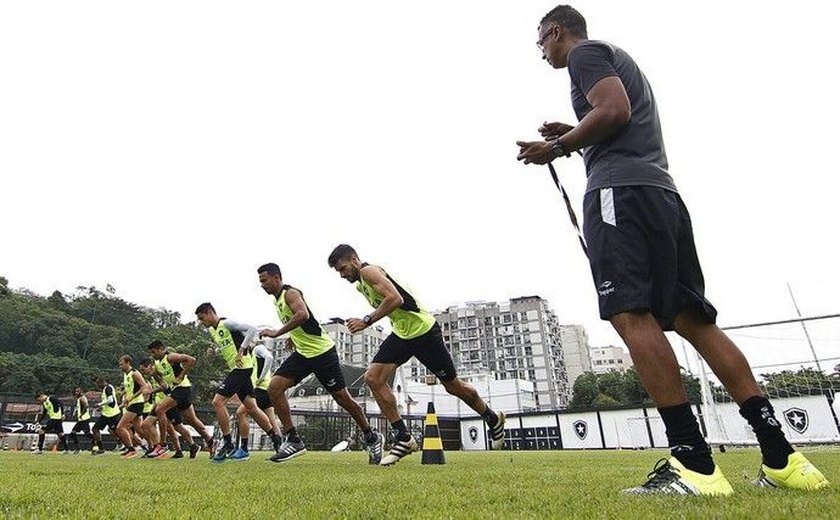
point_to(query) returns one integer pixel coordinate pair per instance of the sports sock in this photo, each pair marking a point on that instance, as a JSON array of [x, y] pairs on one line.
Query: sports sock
[[401, 430], [775, 449], [490, 417], [687, 443], [243, 442], [292, 435]]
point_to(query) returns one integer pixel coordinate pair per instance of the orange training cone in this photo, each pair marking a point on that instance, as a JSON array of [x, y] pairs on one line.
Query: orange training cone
[[432, 445]]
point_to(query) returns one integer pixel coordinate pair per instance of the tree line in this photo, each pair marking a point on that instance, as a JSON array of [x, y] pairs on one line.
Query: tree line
[[57, 343]]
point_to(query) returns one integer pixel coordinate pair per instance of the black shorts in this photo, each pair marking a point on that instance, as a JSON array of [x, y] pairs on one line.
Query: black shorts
[[182, 396], [110, 422], [429, 349], [174, 415], [53, 426], [325, 366], [642, 254], [81, 427], [238, 382], [136, 408], [263, 400]]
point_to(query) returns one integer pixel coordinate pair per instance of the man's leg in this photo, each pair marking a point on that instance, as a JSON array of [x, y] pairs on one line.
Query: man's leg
[[376, 377], [373, 440], [124, 432], [293, 446], [729, 364], [220, 406]]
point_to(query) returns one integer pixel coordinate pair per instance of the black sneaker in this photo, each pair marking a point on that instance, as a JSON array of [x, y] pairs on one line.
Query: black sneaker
[[375, 449], [288, 451], [177, 455], [194, 449], [399, 450], [224, 452]]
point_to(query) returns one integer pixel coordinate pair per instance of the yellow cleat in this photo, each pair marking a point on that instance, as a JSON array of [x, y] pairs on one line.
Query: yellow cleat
[[669, 476], [798, 474]]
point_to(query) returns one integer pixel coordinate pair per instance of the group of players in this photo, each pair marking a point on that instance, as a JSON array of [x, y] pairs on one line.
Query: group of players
[[156, 399]]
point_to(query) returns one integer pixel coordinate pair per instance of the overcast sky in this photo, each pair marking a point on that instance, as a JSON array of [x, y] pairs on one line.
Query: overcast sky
[[170, 148]]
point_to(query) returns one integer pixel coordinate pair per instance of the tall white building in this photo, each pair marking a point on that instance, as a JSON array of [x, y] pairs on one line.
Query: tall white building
[[355, 349], [518, 339], [610, 359]]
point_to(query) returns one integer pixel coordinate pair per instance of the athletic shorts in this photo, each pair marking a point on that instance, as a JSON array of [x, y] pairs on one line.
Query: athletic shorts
[[429, 349], [53, 426], [263, 400], [325, 366], [81, 427], [174, 415], [642, 254], [136, 408], [110, 422], [182, 396], [238, 382]]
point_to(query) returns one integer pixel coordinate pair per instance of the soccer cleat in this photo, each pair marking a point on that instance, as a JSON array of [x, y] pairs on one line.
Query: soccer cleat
[[375, 449], [399, 450], [288, 451], [159, 450], [66, 452], [76, 451], [177, 455], [240, 454], [497, 433], [194, 449], [223, 453], [130, 453], [669, 476], [37, 452], [798, 474]]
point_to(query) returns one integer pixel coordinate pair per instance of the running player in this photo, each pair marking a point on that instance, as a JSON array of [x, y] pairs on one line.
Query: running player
[[52, 414], [135, 394], [82, 419], [109, 415]]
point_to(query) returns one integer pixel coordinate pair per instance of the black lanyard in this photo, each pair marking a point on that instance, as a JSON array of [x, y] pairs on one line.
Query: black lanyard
[[571, 211]]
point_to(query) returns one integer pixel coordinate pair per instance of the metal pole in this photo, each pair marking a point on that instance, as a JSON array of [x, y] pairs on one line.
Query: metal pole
[[805, 329]]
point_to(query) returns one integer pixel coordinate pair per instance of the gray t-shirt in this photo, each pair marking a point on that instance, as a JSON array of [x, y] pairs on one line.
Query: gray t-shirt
[[635, 154]]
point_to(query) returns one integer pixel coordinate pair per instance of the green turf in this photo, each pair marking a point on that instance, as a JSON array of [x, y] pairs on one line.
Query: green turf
[[548, 484]]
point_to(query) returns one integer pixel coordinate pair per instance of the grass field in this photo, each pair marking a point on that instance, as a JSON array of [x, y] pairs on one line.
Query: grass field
[[341, 485]]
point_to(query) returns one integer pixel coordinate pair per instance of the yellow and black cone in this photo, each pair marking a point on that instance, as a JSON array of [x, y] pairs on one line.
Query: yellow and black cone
[[432, 445]]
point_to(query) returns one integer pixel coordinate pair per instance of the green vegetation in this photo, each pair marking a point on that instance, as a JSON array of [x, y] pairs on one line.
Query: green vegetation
[[62, 341], [555, 484]]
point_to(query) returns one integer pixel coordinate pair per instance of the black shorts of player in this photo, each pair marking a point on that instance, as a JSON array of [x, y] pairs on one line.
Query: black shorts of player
[[53, 426], [182, 396], [81, 427], [325, 367], [174, 415], [110, 422], [429, 349], [238, 382], [642, 253], [136, 408], [263, 400]]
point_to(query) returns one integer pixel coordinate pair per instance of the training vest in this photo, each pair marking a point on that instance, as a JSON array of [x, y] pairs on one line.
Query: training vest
[[108, 410], [52, 413], [309, 338], [408, 321], [128, 388], [81, 416], [228, 347], [169, 372]]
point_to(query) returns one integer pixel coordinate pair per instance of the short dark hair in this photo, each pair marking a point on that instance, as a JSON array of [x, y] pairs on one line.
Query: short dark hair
[[126, 357], [146, 362], [270, 268], [568, 17], [341, 252], [204, 307], [40, 393], [155, 344]]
